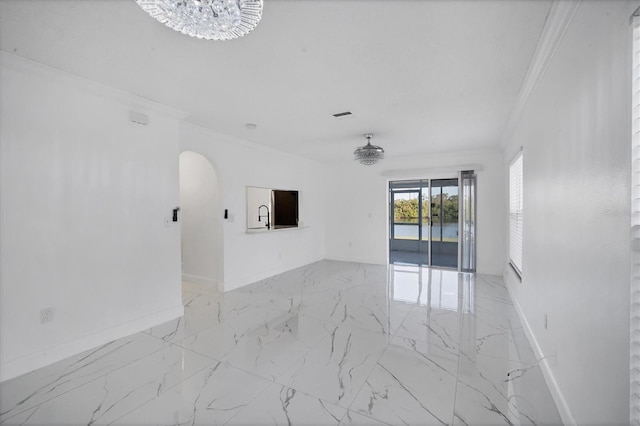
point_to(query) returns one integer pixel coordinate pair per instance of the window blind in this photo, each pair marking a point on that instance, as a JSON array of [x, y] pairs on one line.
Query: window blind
[[635, 230], [516, 213]]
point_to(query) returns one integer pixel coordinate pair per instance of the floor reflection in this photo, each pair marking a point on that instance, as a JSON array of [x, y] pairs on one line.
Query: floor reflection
[[401, 257], [436, 288]]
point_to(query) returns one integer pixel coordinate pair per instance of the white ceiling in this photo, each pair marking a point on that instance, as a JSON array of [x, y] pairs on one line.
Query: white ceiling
[[423, 76]]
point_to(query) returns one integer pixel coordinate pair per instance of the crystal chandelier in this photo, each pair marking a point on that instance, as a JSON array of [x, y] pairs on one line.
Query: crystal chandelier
[[368, 154], [207, 19]]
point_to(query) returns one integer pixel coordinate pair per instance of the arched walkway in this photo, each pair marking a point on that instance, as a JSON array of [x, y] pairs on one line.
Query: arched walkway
[[200, 221]]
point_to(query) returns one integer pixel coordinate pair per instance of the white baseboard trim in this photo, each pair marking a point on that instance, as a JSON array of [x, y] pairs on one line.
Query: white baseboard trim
[[28, 363], [357, 260], [558, 397], [251, 279], [197, 279]]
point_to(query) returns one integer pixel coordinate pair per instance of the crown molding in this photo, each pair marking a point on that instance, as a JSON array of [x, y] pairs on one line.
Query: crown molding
[[560, 15], [27, 66]]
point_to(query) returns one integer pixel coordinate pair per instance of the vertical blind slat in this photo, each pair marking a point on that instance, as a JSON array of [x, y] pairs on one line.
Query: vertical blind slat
[[516, 212]]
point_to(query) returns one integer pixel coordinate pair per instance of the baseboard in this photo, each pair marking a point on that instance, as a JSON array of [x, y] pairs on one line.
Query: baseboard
[[547, 372], [355, 260], [228, 286], [197, 279], [26, 364]]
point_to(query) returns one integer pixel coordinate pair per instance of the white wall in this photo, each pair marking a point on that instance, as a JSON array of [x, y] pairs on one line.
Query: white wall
[[357, 204], [249, 257], [575, 131], [257, 197], [200, 219], [84, 193]]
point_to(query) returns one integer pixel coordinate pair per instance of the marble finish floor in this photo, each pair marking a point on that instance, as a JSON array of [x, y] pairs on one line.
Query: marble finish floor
[[332, 343], [398, 257]]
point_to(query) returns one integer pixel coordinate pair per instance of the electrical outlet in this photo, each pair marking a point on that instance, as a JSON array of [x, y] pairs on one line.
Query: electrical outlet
[[46, 315]]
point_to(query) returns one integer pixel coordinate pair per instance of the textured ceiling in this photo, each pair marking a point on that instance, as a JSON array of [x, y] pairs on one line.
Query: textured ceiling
[[423, 76]]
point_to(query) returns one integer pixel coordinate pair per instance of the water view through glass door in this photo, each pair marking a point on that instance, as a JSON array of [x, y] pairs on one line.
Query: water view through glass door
[[424, 222], [444, 223], [407, 233]]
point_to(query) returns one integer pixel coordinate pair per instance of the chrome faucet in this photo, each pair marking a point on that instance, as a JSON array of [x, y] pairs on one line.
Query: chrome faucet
[[264, 215]]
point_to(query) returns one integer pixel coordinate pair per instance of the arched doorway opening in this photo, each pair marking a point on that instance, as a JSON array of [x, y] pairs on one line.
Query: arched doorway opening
[[200, 222]]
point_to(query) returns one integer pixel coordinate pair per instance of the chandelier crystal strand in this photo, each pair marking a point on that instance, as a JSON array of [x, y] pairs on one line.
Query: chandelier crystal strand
[[206, 19], [368, 154]]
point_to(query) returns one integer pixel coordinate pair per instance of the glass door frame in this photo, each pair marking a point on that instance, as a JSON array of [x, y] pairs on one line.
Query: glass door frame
[[422, 186], [467, 214], [442, 187], [392, 212], [419, 190]]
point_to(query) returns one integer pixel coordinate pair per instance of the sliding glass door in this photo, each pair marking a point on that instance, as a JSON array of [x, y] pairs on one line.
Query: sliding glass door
[[424, 226], [444, 223], [407, 230]]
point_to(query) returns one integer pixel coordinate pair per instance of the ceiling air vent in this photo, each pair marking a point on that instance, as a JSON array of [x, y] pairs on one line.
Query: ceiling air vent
[[342, 114]]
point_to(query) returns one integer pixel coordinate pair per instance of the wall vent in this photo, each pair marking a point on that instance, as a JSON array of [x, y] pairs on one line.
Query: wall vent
[[342, 114], [138, 118]]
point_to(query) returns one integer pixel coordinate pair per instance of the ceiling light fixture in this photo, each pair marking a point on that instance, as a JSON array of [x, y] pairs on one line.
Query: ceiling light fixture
[[368, 154], [206, 19]]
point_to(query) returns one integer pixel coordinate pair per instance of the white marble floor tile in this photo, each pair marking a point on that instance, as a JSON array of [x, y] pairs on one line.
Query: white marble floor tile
[[204, 311], [496, 391], [494, 337], [496, 315], [492, 281], [433, 326], [412, 383], [338, 366], [217, 341], [491, 289], [107, 398], [171, 331], [352, 418], [240, 301], [201, 311], [358, 279], [272, 348], [211, 397], [29, 390], [334, 306], [379, 314], [328, 343], [281, 405]]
